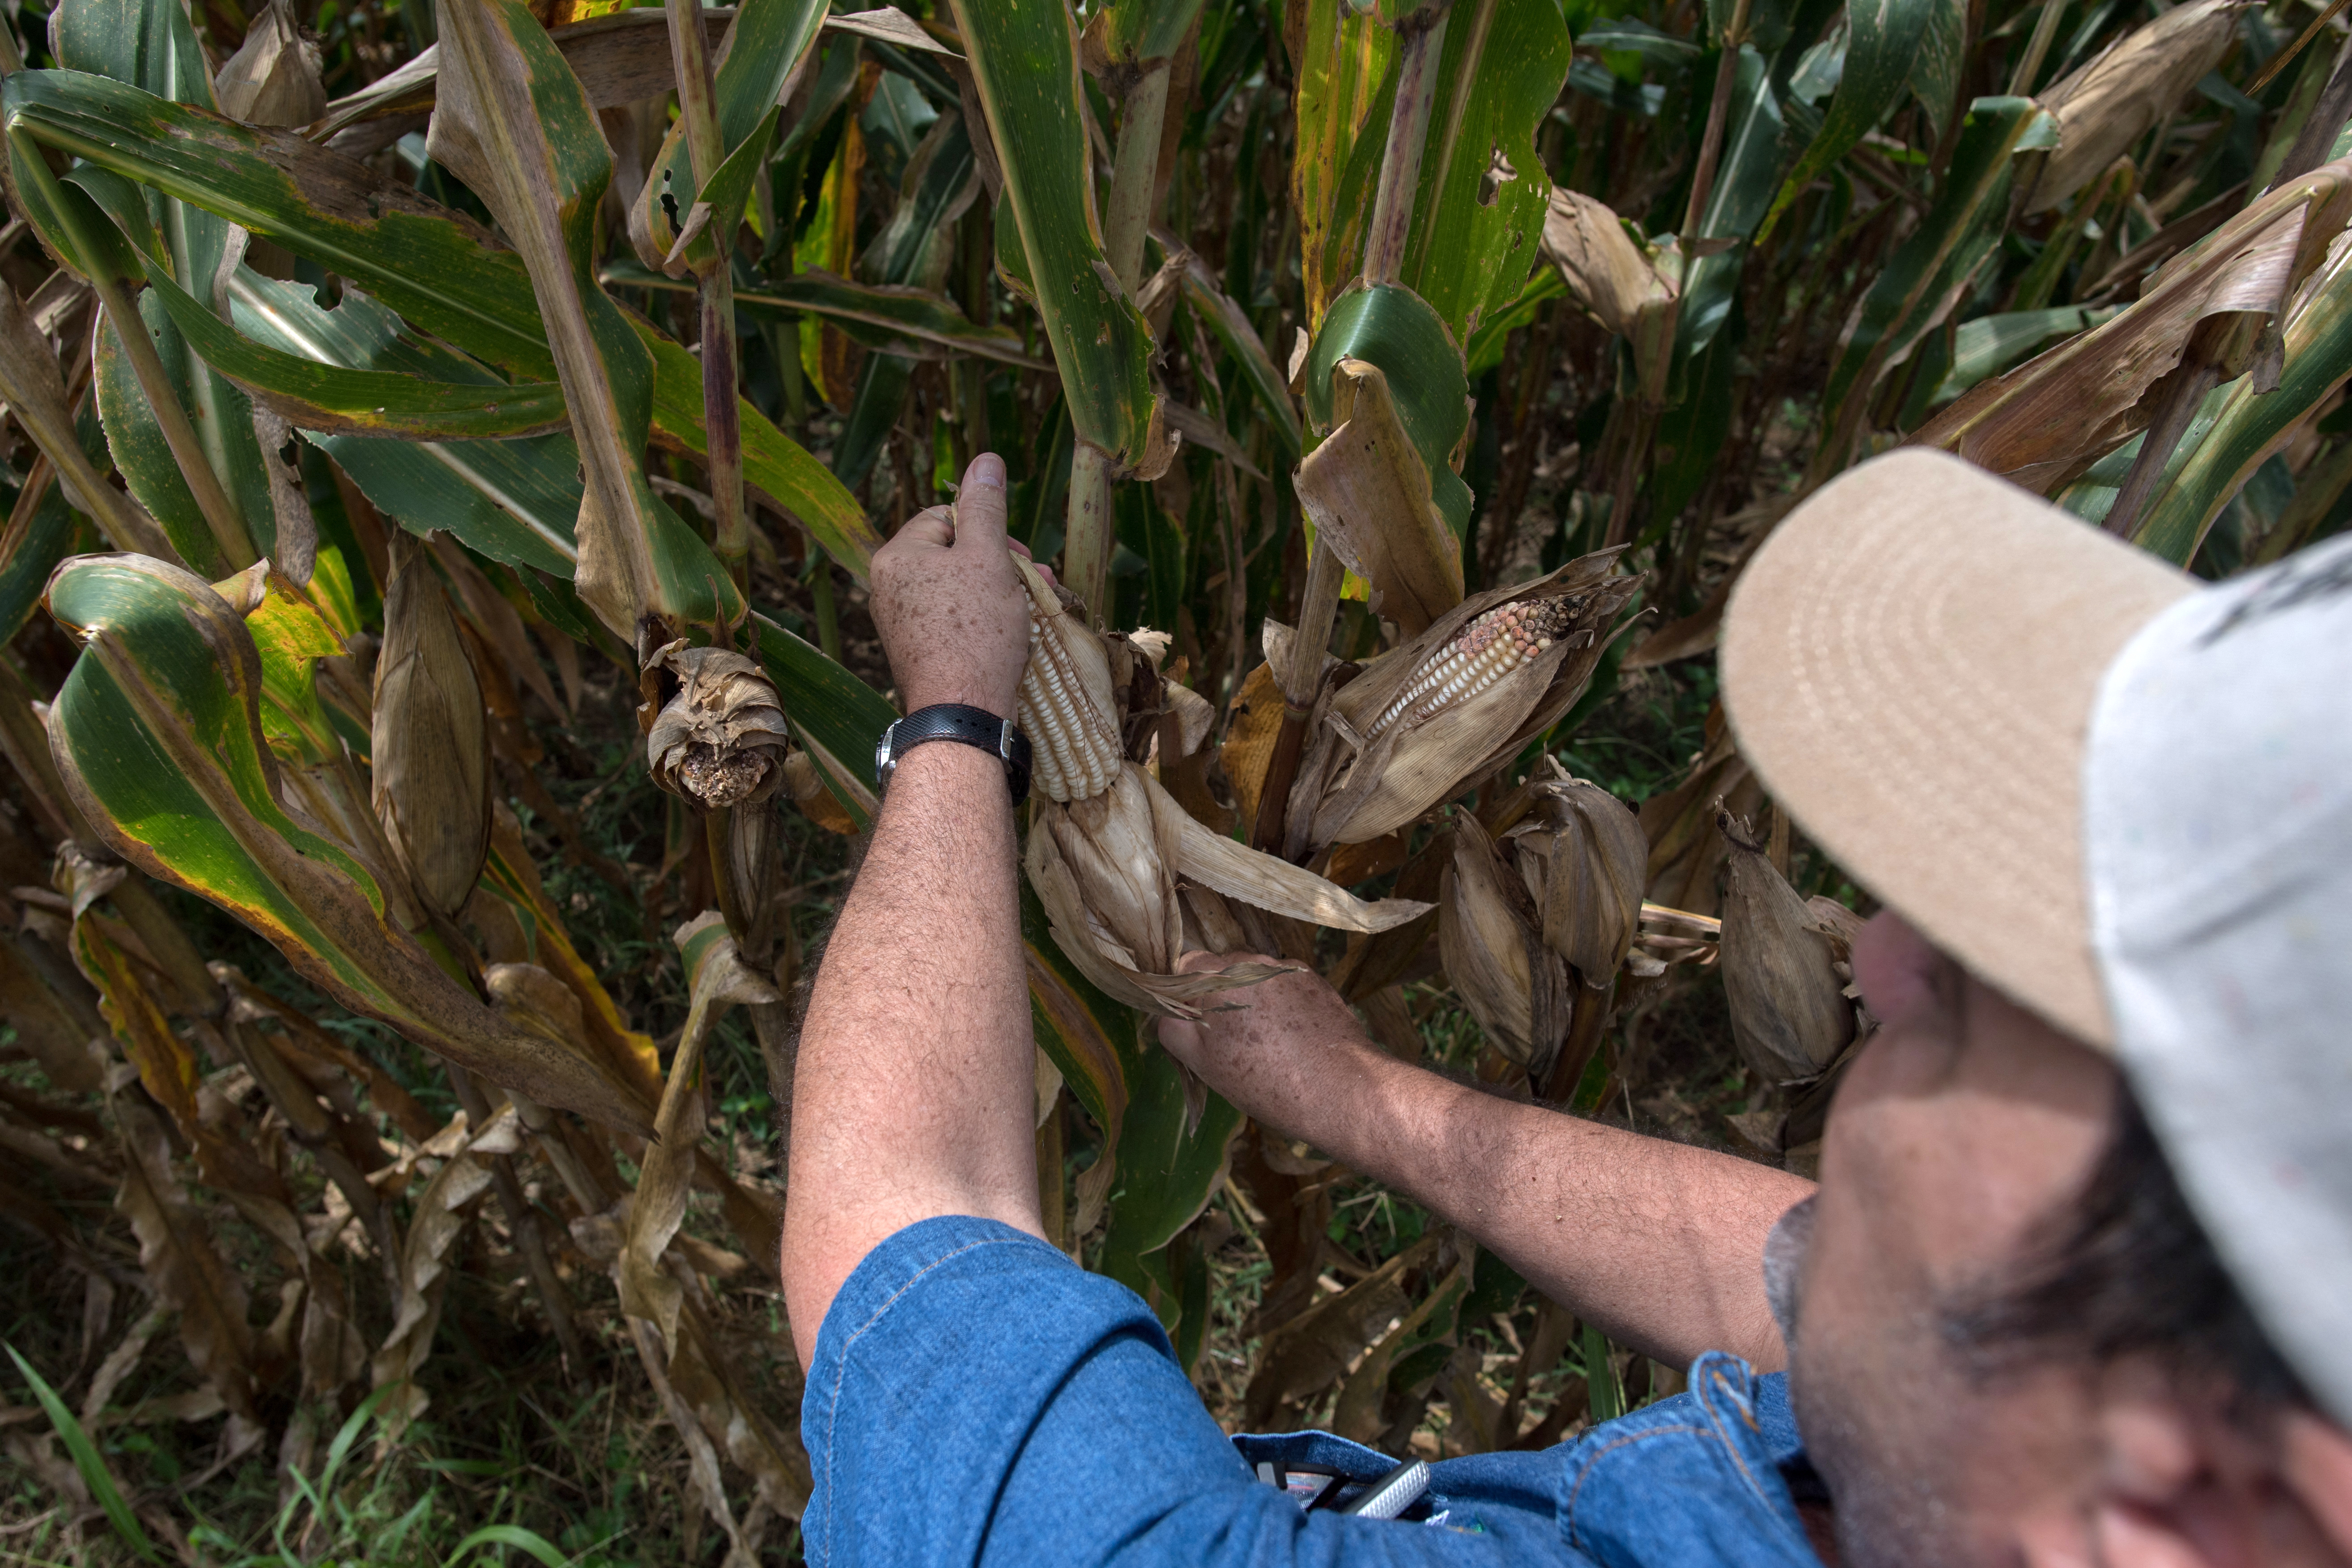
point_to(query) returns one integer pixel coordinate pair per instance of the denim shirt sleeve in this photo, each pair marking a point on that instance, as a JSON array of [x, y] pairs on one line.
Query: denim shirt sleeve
[[976, 1397]]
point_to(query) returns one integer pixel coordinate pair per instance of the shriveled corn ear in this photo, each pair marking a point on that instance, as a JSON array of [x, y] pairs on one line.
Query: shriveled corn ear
[[1427, 721], [720, 739], [1127, 876], [1623, 282], [2108, 103], [1490, 937], [431, 741], [1594, 858], [1066, 706], [1789, 1012]]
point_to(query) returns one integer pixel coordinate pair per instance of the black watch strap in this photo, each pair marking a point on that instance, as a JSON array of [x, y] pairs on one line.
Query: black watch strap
[[956, 722]]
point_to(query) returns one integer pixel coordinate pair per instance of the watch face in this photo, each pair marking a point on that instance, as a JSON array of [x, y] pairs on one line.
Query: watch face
[[882, 755]]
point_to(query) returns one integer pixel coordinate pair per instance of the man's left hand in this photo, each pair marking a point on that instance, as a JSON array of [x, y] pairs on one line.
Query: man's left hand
[[953, 616]]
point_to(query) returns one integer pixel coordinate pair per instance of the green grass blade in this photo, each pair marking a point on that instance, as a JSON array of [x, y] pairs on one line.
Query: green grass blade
[[89, 1461]]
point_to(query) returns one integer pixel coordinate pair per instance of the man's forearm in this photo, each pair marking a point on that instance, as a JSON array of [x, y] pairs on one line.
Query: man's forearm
[[1658, 1244], [914, 1082]]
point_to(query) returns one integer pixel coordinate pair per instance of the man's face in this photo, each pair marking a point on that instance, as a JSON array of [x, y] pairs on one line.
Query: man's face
[[1964, 1124]]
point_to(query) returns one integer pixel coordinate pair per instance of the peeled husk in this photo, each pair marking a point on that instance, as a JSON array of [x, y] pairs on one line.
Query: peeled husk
[[430, 746], [1350, 791], [1790, 1014], [720, 740], [1129, 878]]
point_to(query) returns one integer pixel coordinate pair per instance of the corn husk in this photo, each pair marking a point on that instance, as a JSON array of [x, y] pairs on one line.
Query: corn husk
[[2108, 104], [1364, 774], [1790, 1014], [1129, 878], [430, 749], [720, 739], [1585, 857], [1490, 937], [273, 79], [1629, 286]]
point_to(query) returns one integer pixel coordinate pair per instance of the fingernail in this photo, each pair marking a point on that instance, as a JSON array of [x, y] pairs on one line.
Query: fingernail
[[987, 471]]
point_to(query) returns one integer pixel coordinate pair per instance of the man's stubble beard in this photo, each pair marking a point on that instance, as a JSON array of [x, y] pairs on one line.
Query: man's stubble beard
[[1883, 1521]]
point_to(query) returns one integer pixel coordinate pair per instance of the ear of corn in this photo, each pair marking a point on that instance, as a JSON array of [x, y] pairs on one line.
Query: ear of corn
[[431, 742], [720, 739], [1445, 709], [1491, 936], [1790, 1014], [1066, 706], [1110, 849], [1594, 858]]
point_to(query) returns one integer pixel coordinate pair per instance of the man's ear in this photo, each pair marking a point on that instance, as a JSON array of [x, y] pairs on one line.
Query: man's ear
[[2184, 1481]]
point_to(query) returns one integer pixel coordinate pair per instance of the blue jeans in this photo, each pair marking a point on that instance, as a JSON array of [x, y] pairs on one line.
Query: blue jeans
[[976, 1397]]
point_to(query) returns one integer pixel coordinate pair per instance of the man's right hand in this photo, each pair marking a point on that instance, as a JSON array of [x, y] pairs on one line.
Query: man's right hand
[[953, 616], [1658, 1244]]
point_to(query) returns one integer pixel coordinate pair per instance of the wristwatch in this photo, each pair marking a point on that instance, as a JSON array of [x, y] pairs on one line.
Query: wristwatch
[[956, 722]]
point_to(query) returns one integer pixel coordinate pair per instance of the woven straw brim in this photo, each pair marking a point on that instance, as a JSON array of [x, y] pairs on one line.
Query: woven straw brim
[[1909, 663]]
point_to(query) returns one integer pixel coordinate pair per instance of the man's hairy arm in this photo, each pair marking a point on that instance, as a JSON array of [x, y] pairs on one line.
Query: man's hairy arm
[[1658, 1244], [913, 1088]]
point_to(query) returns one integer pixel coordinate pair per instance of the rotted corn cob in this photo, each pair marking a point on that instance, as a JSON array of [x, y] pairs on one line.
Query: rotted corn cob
[[1064, 705], [1486, 650]]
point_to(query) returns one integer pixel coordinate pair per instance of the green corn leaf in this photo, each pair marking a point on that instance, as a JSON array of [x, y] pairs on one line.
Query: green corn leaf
[[53, 531], [1024, 62], [1171, 1157], [1473, 239], [145, 460], [512, 501], [940, 181], [908, 323], [1883, 39], [438, 270], [158, 736], [513, 123], [1342, 71], [1929, 273], [767, 45], [2251, 426], [1396, 329], [1991, 344], [1136, 31], [150, 47], [1936, 62], [289, 634], [883, 382], [326, 397], [776, 468], [836, 717], [1744, 182], [1230, 325]]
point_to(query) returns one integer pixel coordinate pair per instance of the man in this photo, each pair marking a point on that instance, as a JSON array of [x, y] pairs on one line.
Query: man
[[2110, 813]]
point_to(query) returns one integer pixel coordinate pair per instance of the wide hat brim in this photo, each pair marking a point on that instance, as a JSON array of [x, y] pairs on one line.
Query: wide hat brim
[[1909, 664]]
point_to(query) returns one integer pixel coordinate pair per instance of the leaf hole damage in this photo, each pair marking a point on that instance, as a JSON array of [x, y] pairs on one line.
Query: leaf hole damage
[[1499, 173]]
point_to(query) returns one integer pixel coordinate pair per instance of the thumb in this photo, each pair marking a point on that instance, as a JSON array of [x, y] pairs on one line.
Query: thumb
[[980, 503]]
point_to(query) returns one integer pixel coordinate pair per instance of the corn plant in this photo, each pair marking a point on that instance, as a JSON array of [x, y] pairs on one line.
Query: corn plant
[[1391, 383]]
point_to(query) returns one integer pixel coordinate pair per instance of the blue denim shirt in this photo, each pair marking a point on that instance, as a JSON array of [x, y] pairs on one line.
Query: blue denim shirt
[[976, 1397]]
